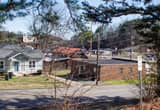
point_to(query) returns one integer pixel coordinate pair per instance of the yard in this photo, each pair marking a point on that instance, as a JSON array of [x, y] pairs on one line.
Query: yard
[[28, 82], [131, 81], [61, 72], [114, 82]]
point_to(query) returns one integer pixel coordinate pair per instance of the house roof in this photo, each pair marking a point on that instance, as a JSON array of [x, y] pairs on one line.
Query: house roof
[[21, 57], [113, 61], [4, 53], [107, 61], [66, 50], [33, 54], [12, 49]]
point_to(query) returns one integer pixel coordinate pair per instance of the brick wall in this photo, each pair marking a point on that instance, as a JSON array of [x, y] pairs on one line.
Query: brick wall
[[88, 71], [119, 71], [59, 65], [106, 71]]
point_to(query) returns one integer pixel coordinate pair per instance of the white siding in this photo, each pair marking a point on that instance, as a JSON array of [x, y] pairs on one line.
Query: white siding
[[38, 66], [24, 67], [29, 39]]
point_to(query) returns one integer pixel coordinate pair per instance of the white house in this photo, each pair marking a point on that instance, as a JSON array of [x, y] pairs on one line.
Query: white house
[[29, 39], [20, 60]]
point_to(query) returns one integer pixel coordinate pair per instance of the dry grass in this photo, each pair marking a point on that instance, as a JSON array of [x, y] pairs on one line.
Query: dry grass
[[30, 82], [62, 72]]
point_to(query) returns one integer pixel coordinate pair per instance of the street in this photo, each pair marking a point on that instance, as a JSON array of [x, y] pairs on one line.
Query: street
[[36, 97]]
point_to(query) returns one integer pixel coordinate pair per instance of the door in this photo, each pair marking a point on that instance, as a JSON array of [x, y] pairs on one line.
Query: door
[[16, 66]]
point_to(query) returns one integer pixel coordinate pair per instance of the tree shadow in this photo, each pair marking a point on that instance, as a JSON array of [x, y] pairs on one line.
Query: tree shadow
[[31, 103], [77, 78], [47, 102]]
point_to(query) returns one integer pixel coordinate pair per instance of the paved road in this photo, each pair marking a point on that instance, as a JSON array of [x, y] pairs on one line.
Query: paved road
[[34, 97]]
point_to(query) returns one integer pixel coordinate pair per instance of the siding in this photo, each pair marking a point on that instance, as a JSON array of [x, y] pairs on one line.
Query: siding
[[24, 66], [38, 66]]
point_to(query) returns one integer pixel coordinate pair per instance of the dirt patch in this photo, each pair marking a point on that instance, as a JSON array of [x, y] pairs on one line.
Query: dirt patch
[[149, 105]]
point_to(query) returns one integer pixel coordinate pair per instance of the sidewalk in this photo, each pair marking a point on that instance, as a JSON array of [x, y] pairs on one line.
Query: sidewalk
[[66, 81]]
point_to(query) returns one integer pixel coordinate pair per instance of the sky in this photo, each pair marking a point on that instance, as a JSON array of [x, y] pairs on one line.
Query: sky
[[21, 24]]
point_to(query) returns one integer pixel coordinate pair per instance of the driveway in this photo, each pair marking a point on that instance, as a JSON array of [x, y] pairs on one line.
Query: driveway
[[36, 97]]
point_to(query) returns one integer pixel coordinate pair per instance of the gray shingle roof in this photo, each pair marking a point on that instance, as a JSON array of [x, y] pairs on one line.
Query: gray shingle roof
[[21, 57], [12, 49], [33, 54], [4, 53]]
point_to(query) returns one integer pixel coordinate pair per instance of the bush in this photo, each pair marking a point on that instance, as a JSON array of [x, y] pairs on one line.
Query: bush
[[2, 73], [39, 72]]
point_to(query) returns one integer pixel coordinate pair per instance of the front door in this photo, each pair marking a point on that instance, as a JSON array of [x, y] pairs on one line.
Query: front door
[[16, 66]]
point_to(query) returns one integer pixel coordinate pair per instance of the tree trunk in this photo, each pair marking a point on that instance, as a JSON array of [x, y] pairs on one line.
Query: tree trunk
[[91, 43], [158, 74]]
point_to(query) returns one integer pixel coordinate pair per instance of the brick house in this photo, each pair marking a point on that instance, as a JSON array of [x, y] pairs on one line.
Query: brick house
[[56, 64], [60, 58], [108, 69]]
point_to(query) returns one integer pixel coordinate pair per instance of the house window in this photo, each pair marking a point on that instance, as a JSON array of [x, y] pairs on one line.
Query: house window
[[121, 70], [81, 69], [94, 69], [1, 64], [32, 64], [130, 70]]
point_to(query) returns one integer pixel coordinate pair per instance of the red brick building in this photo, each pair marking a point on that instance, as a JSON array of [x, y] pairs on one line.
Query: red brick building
[[108, 69]]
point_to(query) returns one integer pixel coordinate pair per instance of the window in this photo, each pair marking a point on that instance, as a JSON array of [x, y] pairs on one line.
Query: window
[[81, 69], [121, 70], [130, 70], [94, 69], [1, 64], [32, 64]]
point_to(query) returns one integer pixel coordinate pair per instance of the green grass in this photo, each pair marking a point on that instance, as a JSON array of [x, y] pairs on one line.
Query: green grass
[[135, 81], [29, 82], [61, 72]]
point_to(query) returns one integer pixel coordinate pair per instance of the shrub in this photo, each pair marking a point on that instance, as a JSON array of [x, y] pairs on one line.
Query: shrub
[[39, 72], [2, 73]]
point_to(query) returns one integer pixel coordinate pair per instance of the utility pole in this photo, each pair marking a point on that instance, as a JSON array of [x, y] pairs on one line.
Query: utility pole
[[131, 43], [91, 41], [141, 101], [97, 59], [140, 80], [130, 53]]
